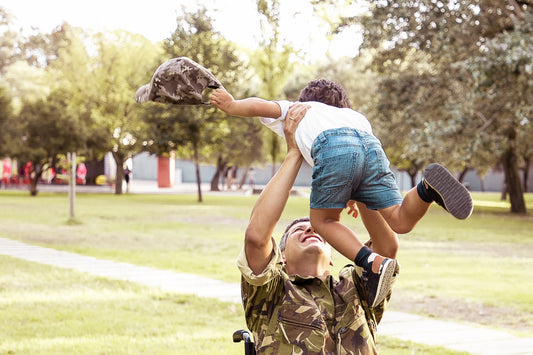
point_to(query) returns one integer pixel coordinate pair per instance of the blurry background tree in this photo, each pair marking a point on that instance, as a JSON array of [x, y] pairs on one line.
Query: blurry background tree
[[501, 78], [204, 134], [423, 49], [121, 63], [5, 118], [47, 129], [272, 65], [9, 41], [439, 80], [47, 122]]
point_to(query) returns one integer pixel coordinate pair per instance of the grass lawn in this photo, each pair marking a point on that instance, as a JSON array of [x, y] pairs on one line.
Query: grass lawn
[[479, 270], [46, 310]]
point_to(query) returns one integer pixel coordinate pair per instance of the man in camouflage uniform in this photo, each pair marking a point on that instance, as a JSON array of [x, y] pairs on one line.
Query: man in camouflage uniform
[[292, 304]]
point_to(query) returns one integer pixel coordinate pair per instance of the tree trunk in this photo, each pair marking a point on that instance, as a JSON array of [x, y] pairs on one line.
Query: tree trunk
[[482, 183], [463, 174], [33, 184], [274, 151], [526, 174], [412, 177], [512, 176], [34, 180], [244, 176], [505, 190], [197, 167], [119, 175], [215, 181]]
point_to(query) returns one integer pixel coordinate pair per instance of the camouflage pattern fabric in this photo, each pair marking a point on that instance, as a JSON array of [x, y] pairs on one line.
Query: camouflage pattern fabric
[[178, 81], [304, 315]]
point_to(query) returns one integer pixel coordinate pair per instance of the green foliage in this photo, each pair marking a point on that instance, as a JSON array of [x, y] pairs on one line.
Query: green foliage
[[119, 69], [45, 129], [204, 133], [9, 41], [437, 110], [272, 65], [5, 119]]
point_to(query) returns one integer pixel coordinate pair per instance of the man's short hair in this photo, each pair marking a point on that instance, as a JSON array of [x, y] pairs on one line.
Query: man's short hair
[[327, 92], [283, 239]]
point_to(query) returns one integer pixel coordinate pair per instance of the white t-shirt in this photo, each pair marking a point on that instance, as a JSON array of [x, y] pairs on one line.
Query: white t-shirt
[[319, 118]]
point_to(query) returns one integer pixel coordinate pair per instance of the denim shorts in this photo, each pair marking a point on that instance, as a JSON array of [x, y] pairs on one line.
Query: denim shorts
[[350, 164]]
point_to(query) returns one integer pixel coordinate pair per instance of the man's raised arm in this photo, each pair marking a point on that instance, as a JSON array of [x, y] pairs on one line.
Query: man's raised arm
[[270, 204]]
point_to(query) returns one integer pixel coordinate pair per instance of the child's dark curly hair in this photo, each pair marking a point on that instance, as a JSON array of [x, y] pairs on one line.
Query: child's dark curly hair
[[325, 91]]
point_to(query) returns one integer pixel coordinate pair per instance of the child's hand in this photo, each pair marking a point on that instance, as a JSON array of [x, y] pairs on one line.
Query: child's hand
[[352, 209], [222, 99]]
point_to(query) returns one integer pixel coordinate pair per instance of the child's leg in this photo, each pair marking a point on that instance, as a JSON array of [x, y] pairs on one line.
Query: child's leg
[[384, 240], [326, 223], [439, 186], [378, 271], [402, 218]]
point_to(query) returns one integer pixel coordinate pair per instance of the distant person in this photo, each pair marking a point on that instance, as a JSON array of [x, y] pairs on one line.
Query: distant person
[[234, 173], [127, 173], [229, 177], [349, 164], [81, 173], [251, 178]]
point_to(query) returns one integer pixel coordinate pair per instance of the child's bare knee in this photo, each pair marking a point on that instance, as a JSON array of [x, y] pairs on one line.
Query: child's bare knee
[[402, 229]]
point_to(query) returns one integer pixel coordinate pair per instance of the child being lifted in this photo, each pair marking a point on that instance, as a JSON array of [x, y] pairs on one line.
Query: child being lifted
[[349, 164]]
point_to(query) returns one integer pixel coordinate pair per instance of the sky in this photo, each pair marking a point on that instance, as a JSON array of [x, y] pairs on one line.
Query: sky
[[237, 20]]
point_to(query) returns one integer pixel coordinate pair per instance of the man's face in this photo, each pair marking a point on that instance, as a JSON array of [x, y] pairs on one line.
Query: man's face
[[302, 241]]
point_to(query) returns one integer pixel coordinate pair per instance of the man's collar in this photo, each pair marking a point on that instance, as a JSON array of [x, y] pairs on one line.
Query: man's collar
[[299, 279]]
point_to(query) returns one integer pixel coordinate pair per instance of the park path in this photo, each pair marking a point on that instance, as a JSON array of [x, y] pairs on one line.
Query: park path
[[405, 326]]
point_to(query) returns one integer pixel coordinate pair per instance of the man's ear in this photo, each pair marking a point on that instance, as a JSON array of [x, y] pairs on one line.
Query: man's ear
[[283, 258]]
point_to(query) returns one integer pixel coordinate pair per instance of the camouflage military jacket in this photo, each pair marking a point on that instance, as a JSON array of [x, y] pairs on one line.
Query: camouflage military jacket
[[290, 314]]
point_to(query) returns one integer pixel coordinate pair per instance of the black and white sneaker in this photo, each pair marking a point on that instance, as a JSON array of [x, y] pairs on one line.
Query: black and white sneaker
[[447, 191], [378, 285]]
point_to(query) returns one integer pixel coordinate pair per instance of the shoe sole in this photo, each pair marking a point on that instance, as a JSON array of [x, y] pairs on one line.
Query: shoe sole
[[385, 281], [457, 199]]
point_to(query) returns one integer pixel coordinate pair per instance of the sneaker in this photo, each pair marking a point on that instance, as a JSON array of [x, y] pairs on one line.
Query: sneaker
[[448, 192], [378, 285]]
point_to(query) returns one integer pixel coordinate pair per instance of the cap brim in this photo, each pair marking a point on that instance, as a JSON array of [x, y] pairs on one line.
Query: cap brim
[[142, 94]]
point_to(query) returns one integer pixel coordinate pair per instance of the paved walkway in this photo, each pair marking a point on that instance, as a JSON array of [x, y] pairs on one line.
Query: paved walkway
[[475, 340]]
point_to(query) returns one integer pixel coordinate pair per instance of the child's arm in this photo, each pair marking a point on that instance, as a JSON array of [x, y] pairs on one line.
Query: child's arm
[[250, 107]]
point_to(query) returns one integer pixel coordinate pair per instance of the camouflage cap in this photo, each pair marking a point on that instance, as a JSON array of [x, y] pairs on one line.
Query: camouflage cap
[[178, 81]]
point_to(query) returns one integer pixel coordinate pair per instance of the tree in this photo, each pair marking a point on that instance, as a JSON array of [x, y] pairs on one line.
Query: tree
[[47, 128], [272, 64], [9, 41], [6, 113], [203, 133], [448, 34], [46, 119], [502, 81], [120, 66]]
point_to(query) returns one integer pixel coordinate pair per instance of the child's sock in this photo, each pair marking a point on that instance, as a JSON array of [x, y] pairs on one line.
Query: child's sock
[[365, 257], [424, 192]]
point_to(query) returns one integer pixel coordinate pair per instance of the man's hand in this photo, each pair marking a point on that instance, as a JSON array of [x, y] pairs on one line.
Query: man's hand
[[223, 100], [295, 114]]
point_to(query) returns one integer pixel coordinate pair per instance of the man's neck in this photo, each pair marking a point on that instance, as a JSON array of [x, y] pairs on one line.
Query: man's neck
[[308, 269]]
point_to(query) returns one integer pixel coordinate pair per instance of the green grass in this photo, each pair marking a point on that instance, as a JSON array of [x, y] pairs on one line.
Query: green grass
[[46, 310], [485, 260]]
